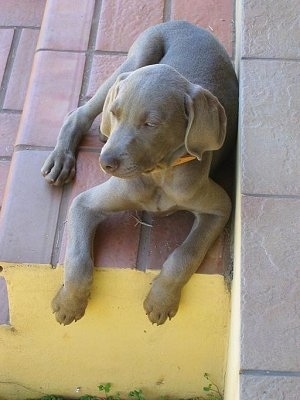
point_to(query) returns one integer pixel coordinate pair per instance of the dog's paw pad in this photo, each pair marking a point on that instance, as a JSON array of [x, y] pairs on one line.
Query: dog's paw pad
[[68, 308], [59, 168], [161, 307]]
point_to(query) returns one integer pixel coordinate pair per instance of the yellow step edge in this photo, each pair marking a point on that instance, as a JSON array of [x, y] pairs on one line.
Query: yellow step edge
[[114, 342]]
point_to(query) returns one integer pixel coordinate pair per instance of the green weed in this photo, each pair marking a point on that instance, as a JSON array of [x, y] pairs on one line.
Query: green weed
[[106, 389], [136, 394], [211, 389]]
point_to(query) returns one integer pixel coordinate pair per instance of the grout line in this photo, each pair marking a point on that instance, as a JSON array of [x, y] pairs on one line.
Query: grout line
[[5, 158], [270, 59], [60, 51], [110, 53], [259, 372], [88, 149], [36, 28], [10, 111], [143, 246], [60, 225], [9, 64], [21, 147], [90, 51], [271, 196], [167, 11]]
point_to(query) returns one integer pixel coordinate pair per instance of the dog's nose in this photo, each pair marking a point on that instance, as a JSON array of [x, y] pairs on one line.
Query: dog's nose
[[109, 163]]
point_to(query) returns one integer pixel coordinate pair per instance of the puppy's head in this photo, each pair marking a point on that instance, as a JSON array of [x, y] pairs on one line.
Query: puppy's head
[[150, 117]]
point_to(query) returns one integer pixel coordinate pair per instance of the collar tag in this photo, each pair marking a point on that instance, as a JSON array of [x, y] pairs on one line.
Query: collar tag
[[183, 160]]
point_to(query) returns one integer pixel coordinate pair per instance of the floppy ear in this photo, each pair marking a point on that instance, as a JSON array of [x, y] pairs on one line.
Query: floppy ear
[[206, 128], [106, 122]]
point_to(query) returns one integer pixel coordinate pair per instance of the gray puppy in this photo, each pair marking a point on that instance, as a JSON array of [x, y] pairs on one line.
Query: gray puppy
[[170, 116]]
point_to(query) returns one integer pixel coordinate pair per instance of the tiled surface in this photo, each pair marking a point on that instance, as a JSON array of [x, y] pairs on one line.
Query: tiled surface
[[270, 387], [102, 66], [9, 126], [4, 170], [270, 29], [21, 12], [20, 74], [122, 21], [117, 241], [54, 91], [270, 269], [6, 37], [19, 30], [76, 15], [214, 15], [270, 117], [161, 244], [29, 219], [270, 286]]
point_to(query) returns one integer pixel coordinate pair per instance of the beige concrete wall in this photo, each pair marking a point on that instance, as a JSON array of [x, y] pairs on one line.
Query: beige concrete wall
[[264, 356]]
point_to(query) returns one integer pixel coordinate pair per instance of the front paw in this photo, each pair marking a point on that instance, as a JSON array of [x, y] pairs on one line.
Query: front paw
[[59, 168], [162, 302], [69, 307]]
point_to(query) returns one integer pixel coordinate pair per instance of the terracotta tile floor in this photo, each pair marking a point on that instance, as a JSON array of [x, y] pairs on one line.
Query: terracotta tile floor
[[56, 53]]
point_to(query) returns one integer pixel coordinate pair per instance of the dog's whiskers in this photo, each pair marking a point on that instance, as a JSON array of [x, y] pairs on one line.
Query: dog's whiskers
[[139, 221]]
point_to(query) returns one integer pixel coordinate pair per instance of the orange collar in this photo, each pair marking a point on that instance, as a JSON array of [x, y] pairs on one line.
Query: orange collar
[[183, 159]]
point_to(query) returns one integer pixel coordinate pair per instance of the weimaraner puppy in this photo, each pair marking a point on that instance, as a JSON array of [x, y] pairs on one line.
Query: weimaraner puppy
[[170, 116]]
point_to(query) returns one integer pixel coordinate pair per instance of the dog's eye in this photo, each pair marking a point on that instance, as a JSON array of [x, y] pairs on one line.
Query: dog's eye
[[150, 124]]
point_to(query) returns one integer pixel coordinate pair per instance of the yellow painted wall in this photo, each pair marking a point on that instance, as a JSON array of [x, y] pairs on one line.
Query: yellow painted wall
[[114, 342]]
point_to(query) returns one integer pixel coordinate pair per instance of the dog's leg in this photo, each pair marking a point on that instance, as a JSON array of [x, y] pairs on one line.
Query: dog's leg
[[70, 302], [163, 299], [86, 212], [59, 168]]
